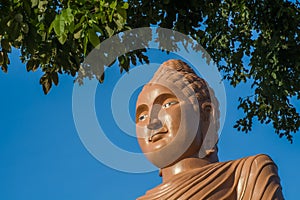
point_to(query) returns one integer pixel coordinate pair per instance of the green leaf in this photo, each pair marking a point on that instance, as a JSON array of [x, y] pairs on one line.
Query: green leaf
[[34, 3], [68, 16], [273, 74], [1, 58], [59, 25], [10, 22], [122, 13], [78, 34], [125, 5], [119, 23], [62, 38], [71, 27], [94, 39], [113, 5], [97, 29], [6, 59], [5, 45], [46, 83], [85, 42], [42, 5], [29, 65], [54, 77], [109, 31], [4, 67], [47, 86], [35, 67]]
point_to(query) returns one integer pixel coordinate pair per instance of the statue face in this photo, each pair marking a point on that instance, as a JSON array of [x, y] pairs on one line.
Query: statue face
[[158, 116], [166, 125]]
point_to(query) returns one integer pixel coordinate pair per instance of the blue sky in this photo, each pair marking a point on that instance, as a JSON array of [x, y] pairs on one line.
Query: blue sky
[[42, 157]]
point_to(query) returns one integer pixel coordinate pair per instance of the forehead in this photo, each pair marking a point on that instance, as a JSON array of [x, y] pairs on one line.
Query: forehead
[[150, 92]]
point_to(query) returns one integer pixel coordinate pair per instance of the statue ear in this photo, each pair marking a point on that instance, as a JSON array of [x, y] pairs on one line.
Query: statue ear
[[208, 148], [207, 111]]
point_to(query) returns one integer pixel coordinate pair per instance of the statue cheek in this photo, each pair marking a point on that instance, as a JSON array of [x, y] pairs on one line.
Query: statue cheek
[[143, 144], [141, 132], [173, 117]]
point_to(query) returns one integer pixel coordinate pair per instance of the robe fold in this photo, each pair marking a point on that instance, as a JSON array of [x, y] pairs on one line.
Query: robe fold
[[250, 178]]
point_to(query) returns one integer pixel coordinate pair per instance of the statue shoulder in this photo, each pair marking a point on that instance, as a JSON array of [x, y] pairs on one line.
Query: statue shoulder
[[259, 162], [261, 158], [258, 178]]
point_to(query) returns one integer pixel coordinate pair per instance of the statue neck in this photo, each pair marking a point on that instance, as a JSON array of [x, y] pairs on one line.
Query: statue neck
[[182, 166]]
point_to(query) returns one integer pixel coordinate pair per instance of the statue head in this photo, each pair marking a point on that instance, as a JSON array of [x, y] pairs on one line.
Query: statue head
[[177, 116]]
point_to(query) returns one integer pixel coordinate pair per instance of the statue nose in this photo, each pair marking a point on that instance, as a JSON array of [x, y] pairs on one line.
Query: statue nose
[[154, 124], [154, 121]]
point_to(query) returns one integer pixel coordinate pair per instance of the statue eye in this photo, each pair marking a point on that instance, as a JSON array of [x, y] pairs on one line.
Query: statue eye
[[143, 117], [167, 105]]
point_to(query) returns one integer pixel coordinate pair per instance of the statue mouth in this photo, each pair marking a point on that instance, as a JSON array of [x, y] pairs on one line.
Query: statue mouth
[[157, 136]]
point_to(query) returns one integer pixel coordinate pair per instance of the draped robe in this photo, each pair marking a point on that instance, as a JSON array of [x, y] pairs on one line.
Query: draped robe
[[250, 178]]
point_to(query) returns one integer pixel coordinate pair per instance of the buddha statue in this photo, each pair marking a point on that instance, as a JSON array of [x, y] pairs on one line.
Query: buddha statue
[[177, 122]]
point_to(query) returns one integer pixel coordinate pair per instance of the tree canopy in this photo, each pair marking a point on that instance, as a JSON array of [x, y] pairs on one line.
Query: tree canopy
[[55, 36]]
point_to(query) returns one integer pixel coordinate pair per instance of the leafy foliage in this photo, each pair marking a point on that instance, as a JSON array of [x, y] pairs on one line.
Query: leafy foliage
[[55, 36]]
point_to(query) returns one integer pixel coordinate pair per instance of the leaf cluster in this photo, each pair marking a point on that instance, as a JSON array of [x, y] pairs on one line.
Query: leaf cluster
[[54, 36], [250, 41], [254, 41]]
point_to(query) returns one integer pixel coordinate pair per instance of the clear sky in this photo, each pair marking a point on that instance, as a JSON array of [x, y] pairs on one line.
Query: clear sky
[[42, 156]]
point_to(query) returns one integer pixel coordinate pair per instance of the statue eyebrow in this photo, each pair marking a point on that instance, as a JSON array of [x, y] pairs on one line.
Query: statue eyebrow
[[140, 109], [163, 97]]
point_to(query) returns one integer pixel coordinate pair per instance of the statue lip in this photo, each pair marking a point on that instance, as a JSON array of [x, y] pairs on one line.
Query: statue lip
[[157, 135]]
